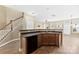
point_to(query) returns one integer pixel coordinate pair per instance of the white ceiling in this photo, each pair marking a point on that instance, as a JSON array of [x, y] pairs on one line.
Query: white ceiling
[[49, 12]]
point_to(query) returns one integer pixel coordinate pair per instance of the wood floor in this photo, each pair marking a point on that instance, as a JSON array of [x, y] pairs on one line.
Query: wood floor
[[70, 46]]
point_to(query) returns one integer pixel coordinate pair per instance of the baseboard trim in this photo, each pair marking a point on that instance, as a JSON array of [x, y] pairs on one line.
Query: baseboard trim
[[8, 42]]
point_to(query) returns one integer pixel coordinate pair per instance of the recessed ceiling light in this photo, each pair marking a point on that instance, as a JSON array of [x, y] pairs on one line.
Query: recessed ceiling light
[[47, 8], [70, 15], [53, 15]]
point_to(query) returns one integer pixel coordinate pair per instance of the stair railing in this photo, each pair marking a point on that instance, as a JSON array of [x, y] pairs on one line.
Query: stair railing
[[11, 26]]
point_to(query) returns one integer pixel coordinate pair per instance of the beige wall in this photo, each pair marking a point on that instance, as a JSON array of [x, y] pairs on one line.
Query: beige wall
[[12, 14], [39, 25], [50, 25], [7, 14], [29, 21], [57, 25], [2, 16]]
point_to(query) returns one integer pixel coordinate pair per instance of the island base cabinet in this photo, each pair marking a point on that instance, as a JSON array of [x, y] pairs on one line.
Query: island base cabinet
[[50, 39], [31, 42]]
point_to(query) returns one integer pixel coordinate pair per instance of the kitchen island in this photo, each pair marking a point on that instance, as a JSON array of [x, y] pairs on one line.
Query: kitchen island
[[30, 40]]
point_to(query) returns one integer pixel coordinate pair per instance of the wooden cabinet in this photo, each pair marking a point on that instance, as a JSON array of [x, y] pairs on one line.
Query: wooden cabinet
[[44, 39], [39, 40], [50, 39], [33, 42]]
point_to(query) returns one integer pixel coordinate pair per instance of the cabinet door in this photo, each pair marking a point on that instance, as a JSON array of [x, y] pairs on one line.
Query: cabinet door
[[57, 39], [39, 40], [52, 39], [45, 39], [49, 39]]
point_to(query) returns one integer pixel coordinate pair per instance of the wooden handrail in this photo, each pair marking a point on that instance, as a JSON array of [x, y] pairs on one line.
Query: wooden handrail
[[5, 26], [11, 22], [17, 18]]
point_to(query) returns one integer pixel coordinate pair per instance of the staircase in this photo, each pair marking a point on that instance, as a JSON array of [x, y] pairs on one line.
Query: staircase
[[10, 32]]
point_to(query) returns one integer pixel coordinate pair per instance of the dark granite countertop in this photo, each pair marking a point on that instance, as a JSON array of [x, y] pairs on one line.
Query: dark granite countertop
[[27, 33]]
